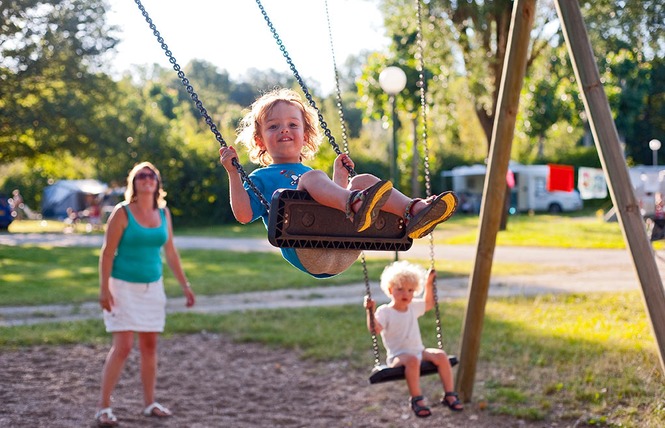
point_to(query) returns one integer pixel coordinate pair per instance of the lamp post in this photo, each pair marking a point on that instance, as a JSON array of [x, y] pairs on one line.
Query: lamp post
[[393, 80], [654, 145]]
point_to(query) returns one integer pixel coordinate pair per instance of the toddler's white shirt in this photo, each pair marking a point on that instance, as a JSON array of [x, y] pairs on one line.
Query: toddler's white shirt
[[401, 332]]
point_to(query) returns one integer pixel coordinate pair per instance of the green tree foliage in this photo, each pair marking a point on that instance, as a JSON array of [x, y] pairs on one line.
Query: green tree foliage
[[468, 40], [638, 26], [61, 116], [50, 51]]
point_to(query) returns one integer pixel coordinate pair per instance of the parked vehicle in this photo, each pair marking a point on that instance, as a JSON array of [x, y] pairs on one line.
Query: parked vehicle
[[6, 213], [532, 194], [649, 184], [528, 193]]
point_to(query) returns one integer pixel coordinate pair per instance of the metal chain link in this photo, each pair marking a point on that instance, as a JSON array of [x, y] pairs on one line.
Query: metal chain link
[[428, 183], [368, 291], [338, 90], [199, 105], [372, 328], [303, 86]]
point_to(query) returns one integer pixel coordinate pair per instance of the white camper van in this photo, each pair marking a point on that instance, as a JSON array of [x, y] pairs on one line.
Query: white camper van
[[648, 183], [528, 194]]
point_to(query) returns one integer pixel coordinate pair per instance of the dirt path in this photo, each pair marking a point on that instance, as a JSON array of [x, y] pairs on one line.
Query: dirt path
[[209, 381]]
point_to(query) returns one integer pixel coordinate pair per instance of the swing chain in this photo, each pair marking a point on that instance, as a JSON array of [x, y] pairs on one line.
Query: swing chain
[[303, 86], [340, 111], [372, 328], [428, 183], [338, 91], [199, 105]]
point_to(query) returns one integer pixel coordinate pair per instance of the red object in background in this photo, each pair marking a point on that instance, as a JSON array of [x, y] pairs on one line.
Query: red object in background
[[561, 177], [510, 179]]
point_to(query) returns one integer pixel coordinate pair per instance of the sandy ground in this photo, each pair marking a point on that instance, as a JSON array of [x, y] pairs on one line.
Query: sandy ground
[[208, 381]]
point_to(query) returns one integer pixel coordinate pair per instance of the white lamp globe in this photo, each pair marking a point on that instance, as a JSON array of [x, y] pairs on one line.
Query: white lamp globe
[[392, 80], [654, 144]]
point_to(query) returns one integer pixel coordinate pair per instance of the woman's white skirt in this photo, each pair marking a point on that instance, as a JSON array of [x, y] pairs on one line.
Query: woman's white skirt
[[137, 306]]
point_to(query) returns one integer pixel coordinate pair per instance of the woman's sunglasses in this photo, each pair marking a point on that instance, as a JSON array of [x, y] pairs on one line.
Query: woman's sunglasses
[[145, 175]]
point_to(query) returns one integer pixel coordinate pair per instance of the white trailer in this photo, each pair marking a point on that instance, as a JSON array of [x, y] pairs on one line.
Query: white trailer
[[649, 184], [529, 192]]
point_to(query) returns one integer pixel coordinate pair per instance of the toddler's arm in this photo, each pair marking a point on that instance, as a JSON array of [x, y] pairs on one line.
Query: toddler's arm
[[429, 290], [370, 305]]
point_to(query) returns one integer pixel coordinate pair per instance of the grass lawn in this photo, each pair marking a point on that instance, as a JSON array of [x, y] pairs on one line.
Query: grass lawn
[[566, 358], [39, 275], [588, 360]]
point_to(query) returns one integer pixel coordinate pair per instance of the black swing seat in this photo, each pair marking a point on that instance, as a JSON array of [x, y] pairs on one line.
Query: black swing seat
[[297, 221], [384, 373]]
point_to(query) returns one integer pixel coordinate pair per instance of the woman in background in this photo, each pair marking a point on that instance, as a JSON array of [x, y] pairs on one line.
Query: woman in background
[[131, 288]]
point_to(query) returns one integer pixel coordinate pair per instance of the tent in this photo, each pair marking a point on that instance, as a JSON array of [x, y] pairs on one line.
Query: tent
[[69, 194]]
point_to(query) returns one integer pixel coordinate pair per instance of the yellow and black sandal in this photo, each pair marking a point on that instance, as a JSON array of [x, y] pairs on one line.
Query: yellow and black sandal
[[373, 198], [438, 210]]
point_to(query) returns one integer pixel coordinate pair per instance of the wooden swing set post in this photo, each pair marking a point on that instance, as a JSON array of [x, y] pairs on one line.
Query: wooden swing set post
[[616, 172], [607, 142], [494, 191]]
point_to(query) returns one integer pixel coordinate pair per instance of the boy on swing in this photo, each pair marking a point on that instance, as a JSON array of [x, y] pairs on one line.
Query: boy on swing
[[397, 323], [280, 131]]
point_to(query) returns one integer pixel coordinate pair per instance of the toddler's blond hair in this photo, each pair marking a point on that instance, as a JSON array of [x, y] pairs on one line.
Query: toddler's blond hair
[[403, 273], [249, 129]]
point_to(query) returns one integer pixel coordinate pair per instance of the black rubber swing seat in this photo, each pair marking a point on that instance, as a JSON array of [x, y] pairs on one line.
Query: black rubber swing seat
[[384, 373], [297, 221]]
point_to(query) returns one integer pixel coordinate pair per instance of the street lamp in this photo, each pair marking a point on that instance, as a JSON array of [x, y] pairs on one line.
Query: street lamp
[[393, 80], [654, 145]]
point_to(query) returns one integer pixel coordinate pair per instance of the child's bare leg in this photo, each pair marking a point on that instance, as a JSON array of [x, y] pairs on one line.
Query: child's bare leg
[[360, 206], [362, 181], [441, 361], [397, 201], [324, 190], [411, 373]]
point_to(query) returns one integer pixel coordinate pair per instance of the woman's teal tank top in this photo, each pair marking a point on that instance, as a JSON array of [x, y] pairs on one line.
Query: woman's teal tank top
[[138, 257]]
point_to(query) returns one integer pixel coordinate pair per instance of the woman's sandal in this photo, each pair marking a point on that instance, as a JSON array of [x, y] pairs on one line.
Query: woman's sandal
[[418, 410], [372, 199], [456, 405], [438, 210], [105, 418], [157, 410]]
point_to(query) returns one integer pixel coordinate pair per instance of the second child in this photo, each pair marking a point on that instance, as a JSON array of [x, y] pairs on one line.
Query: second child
[[397, 323]]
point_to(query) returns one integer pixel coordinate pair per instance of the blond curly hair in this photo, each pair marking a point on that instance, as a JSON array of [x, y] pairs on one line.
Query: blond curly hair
[[403, 273], [248, 131]]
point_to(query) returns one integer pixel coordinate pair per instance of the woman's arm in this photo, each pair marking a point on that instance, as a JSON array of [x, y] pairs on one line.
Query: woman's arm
[[115, 227]]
